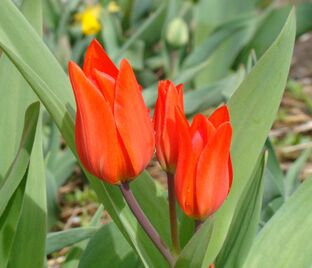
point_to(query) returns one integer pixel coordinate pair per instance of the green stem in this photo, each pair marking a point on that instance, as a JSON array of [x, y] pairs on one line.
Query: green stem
[[173, 215], [198, 224], [145, 223]]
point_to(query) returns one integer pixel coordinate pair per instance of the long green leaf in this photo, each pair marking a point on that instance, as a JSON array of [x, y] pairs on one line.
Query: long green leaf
[[31, 229], [34, 202], [59, 240], [13, 186], [140, 31], [8, 222], [285, 241], [73, 257], [113, 249], [20, 164], [15, 96], [252, 108], [270, 28], [245, 222], [291, 179]]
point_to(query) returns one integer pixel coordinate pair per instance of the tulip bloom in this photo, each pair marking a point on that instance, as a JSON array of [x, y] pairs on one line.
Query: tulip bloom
[[170, 97], [204, 170], [114, 133]]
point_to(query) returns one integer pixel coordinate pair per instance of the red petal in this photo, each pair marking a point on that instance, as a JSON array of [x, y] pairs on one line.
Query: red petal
[[96, 136], [132, 119], [230, 172], [168, 134], [96, 58], [201, 131], [212, 178], [184, 181], [106, 84], [219, 116], [159, 124], [180, 91]]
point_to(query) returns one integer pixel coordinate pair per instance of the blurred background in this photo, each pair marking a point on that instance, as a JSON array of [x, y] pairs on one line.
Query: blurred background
[[210, 46]]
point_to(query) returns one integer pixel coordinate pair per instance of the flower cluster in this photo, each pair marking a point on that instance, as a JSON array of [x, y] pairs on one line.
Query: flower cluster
[[116, 137]]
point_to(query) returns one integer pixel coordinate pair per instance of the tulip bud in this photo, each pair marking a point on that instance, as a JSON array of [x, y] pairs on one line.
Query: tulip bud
[[170, 97], [177, 34], [204, 169], [113, 132]]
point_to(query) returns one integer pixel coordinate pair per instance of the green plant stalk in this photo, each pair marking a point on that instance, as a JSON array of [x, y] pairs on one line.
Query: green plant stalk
[[173, 215], [145, 223], [198, 224]]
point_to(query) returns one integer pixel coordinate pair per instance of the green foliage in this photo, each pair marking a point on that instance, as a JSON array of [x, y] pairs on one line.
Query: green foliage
[[285, 240], [216, 58], [113, 249]]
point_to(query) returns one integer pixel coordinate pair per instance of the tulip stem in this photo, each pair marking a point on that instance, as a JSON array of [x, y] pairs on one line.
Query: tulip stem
[[198, 224], [145, 223], [173, 215]]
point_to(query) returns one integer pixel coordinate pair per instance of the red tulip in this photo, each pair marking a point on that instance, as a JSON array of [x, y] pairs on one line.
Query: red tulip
[[204, 170], [169, 98], [114, 133]]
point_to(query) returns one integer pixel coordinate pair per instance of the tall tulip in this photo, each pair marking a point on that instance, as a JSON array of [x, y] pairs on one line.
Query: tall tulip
[[113, 133], [204, 170], [169, 98]]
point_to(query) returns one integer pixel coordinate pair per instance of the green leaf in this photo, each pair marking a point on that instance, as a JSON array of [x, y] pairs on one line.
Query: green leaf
[[15, 96], [270, 28], [251, 124], [212, 95], [221, 60], [203, 238], [110, 32], [18, 168], [8, 223], [108, 248], [291, 179], [186, 230], [31, 209], [59, 240], [202, 51], [13, 186], [211, 14], [31, 229], [144, 27], [285, 241], [245, 222], [39, 65], [110, 196], [73, 257], [303, 14], [273, 176]]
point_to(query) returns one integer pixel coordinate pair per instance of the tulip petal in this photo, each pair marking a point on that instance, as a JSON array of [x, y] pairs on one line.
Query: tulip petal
[[184, 181], [201, 131], [158, 121], [168, 138], [96, 58], [106, 84], [212, 184], [132, 119], [219, 116], [230, 172], [96, 136], [180, 91]]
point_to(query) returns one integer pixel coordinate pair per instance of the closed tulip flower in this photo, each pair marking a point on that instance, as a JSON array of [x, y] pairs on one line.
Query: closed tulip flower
[[204, 170], [169, 98], [113, 133]]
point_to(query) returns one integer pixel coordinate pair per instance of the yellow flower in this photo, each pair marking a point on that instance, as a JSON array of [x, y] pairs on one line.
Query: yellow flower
[[89, 20], [113, 7]]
